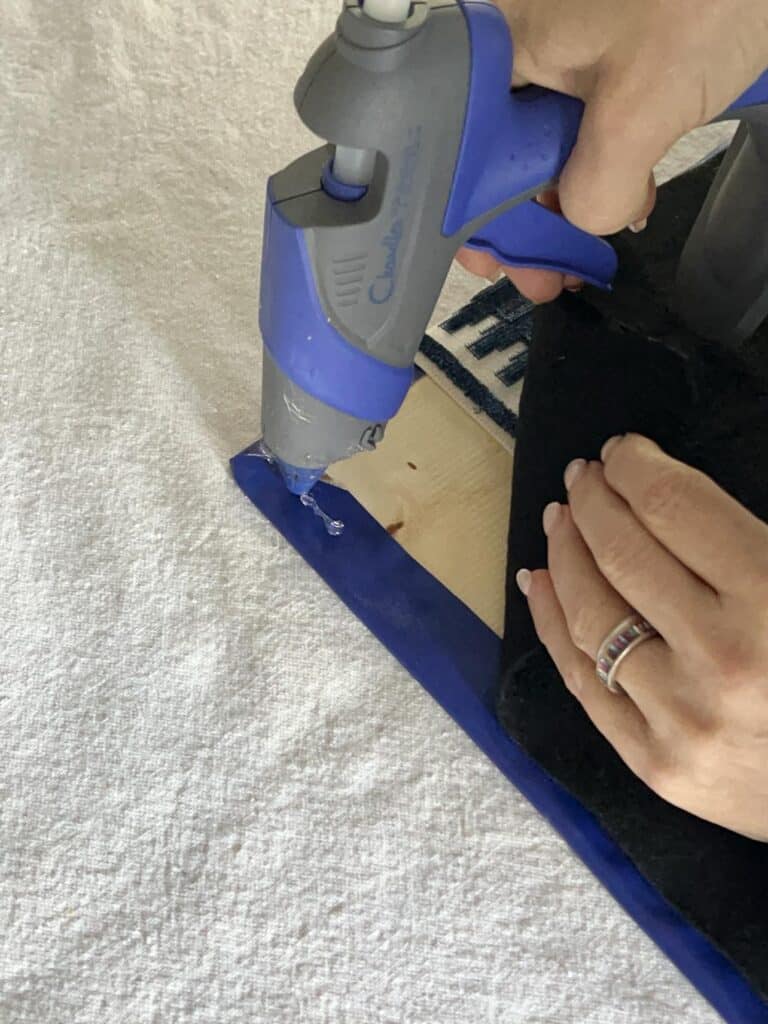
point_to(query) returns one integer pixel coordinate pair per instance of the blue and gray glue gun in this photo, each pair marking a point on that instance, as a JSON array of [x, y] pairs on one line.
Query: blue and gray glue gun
[[429, 150]]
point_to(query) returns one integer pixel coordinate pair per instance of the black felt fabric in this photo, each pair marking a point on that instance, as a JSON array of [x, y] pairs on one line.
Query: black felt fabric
[[599, 366]]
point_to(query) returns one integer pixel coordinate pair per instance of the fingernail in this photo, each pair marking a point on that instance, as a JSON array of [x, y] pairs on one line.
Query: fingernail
[[609, 445], [524, 578], [550, 517], [639, 225], [576, 288], [572, 472]]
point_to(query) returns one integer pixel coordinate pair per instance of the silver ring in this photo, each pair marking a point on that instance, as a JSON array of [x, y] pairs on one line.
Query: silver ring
[[620, 642]]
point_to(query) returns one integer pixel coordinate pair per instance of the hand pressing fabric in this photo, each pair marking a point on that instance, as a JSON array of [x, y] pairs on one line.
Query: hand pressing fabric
[[658, 586], [649, 71]]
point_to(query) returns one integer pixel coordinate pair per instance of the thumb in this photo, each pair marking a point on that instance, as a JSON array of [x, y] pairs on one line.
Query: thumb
[[608, 180]]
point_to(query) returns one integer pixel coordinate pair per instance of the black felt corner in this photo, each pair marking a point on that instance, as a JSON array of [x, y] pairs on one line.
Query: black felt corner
[[601, 365]]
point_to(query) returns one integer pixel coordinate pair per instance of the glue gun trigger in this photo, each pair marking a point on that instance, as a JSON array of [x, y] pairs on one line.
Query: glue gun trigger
[[530, 235]]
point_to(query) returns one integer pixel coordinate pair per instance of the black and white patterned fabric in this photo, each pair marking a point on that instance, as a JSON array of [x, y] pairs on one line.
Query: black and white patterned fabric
[[479, 356]]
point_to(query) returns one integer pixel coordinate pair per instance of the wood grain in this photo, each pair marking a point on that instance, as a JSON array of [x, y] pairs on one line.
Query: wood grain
[[441, 486]]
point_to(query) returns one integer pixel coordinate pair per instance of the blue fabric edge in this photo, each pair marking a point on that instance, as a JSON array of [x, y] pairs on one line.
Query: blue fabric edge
[[455, 657]]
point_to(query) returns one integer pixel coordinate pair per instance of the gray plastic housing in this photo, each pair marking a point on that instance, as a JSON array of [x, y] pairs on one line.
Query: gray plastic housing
[[722, 281], [382, 87]]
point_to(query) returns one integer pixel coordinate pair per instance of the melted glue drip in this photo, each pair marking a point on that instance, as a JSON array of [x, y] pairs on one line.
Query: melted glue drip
[[334, 526]]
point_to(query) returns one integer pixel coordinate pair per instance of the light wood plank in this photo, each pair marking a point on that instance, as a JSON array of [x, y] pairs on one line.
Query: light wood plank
[[441, 485]]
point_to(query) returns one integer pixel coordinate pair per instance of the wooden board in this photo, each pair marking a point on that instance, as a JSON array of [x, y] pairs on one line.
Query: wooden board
[[441, 486]]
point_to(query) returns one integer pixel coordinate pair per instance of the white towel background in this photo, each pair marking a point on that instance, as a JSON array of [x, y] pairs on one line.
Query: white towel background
[[222, 801]]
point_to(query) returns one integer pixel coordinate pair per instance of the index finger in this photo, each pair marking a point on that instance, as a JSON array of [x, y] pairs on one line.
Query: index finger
[[697, 521]]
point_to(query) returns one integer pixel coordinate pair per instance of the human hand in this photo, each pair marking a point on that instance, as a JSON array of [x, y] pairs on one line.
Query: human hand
[[642, 532], [649, 71]]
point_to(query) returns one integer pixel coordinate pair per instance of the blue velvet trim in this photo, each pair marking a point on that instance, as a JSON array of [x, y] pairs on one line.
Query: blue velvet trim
[[455, 657]]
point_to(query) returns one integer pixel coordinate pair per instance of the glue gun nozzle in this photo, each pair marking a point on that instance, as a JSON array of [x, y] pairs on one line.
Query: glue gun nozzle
[[297, 479]]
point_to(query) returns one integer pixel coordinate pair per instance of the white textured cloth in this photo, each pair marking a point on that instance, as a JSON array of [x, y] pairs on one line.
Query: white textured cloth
[[222, 801]]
